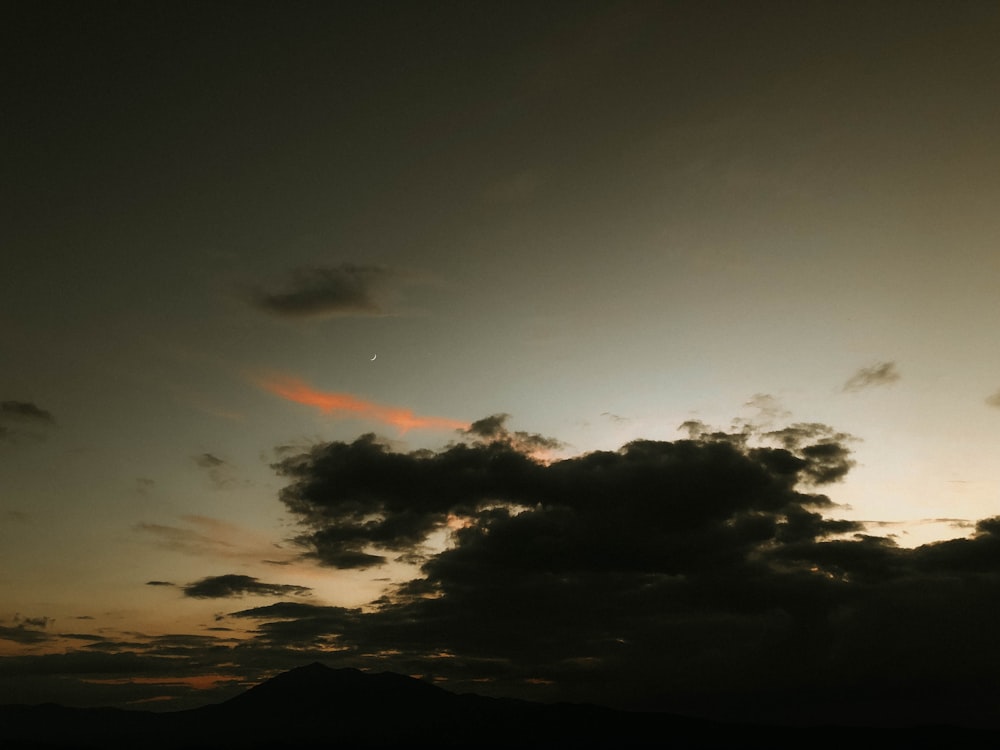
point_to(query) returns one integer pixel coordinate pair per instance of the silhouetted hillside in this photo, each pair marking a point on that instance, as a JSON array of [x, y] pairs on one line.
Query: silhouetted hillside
[[315, 687], [315, 706]]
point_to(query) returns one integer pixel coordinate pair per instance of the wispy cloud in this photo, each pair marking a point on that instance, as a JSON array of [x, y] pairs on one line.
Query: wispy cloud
[[22, 419], [994, 400], [614, 417], [220, 472], [210, 537], [24, 410], [347, 405], [881, 373]]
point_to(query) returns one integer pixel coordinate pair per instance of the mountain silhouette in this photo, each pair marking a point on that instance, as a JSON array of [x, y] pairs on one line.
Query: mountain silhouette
[[314, 706], [316, 687]]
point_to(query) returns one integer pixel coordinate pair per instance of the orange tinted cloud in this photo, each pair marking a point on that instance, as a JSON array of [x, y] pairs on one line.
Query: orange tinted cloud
[[344, 404]]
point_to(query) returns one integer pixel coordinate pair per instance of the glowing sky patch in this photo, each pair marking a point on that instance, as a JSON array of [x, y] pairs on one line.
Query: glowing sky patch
[[346, 405]]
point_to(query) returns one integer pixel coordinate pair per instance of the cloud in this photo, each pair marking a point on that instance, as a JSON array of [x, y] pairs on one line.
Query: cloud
[[232, 585], [23, 635], [493, 429], [25, 411], [994, 400], [882, 373], [769, 410], [296, 625], [210, 537], [26, 630], [208, 461], [702, 575], [187, 540], [33, 622], [189, 670], [826, 448], [82, 636], [346, 405], [359, 499], [160, 583], [21, 420], [189, 673], [220, 472], [347, 289]]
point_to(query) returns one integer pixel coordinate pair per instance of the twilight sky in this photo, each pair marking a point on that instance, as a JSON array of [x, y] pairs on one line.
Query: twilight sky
[[502, 343]]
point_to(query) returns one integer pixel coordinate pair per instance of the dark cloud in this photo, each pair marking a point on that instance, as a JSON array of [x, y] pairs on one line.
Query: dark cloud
[[126, 674], [232, 585], [26, 630], [20, 420], [815, 452], [882, 373], [297, 625], [347, 289], [826, 450], [703, 575], [354, 495], [696, 575], [208, 461], [21, 634], [178, 671], [33, 622], [493, 429], [994, 400], [82, 636], [159, 583], [698, 430], [24, 410], [357, 499]]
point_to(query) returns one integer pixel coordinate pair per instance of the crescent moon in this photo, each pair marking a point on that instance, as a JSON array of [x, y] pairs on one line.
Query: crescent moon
[[373, 358]]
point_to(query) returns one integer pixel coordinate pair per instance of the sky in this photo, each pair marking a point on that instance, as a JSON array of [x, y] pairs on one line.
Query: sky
[[641, 353]]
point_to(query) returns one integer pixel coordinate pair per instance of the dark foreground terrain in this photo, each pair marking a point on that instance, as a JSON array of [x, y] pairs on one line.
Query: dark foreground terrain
[[318, 707]]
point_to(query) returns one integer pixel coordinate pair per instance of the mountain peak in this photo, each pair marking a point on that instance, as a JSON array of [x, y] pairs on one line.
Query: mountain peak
[[313, 686]]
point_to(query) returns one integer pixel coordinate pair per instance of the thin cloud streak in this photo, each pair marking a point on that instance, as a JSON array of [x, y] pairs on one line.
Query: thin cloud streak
[[202, 536], [346, 405], [881, 373], [234, 585]]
